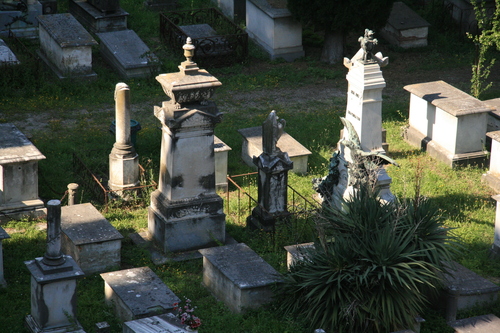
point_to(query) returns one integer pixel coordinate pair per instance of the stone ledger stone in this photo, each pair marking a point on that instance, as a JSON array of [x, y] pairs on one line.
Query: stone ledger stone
[[165, 323], [236, 275], [481, 324], [89, 238]]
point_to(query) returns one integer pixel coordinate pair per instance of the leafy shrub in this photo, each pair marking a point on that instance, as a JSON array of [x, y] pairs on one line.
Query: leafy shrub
[[373, 268]]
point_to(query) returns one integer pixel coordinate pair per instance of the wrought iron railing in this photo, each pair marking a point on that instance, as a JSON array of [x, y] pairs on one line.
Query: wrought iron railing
[[227, 46]]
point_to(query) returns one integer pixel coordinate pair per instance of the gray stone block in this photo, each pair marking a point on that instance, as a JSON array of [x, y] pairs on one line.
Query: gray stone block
[[166, 323], [481, 324], [95, 20]]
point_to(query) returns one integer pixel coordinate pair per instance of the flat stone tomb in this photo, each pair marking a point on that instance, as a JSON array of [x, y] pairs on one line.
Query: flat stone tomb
[[481, 324], [447, 122], [274, 29], [221, 151], [18, 173], [237, 276], [7, 57], [89, 238], [65, 46], [165, 323], [252, 146], [492, 177], [127, 54], [211, 44], [95, 20], [494, 115], [405, 28], [297, 253], [137, 293], [468, 289]]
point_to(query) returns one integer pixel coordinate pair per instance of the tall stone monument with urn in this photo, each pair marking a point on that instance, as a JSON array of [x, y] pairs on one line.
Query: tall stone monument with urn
[[185, 212]]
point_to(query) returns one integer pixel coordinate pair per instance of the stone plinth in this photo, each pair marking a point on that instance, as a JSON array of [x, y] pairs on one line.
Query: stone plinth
[[18, 174], [3, 235], [492, 177], [165, 323], [127, 54], [7, 57], [53, 296], [89, 238], [96, 20], [137, 293], [236, 275], [447, 123], [220, 150], [297, 253], [405, 28], [274, 29], [65, 46], [252, 146], [480, 324]]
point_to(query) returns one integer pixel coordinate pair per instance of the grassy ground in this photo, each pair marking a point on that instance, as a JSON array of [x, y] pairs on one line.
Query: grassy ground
[[63, 117]]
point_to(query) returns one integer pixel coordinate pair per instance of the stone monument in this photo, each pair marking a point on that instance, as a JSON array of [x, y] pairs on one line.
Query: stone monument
[[123, 159], [273, 166], [185, 212], [53, 283], [3, 235]]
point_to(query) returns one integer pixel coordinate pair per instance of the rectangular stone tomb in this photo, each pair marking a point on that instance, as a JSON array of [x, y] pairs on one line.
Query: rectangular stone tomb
[[447, 122], [65, 46], [7, 57], [493, 123], [465, 289], [18, 174], [237, 276], [95, 20], [165, 323], [137, 293], [89, 238], [127, 54], [492, 177], [220, 150], [297, 253], [481, 324], [209, 42], [27, 27], [405, 28], [3, 235], [252, 146]]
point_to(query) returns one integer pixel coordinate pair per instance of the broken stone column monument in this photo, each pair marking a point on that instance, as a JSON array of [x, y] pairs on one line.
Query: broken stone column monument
[[185, 211], [273, 166], [53, 283], [123, 159]]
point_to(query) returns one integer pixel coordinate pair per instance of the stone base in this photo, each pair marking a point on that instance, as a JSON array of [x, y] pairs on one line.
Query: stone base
[[33, 327], [492, 180], [95, 20], [417, 139], [186, 225], [128, 54], [18, 210], [61, 75], [236, 275], [262, 220], [480, 324]]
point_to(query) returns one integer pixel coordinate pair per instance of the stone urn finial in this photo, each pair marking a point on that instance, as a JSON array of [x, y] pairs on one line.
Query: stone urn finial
[[189, 50]]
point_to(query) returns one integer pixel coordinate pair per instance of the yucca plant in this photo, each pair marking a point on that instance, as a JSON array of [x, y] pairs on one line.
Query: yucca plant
[[373, 267]]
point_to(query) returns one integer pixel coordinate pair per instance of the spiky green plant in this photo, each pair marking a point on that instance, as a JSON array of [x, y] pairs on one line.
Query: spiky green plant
[[373, 268]]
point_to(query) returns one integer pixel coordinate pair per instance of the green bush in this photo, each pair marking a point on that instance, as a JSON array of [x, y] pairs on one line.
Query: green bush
[[374, 267]]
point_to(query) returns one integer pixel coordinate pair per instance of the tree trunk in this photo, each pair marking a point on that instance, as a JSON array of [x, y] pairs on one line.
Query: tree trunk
[[333, 47]]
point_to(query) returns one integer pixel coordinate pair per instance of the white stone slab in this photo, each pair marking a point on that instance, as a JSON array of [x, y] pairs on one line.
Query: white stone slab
[[166, 323], [405, 28], [7, 57]]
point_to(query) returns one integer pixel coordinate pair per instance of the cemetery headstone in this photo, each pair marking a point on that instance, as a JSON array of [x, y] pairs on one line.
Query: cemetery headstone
[[18, 174], [273, 166], [53, 283], [185, 212]]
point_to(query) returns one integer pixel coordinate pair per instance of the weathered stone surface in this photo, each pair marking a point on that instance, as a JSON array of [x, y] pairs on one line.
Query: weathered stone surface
[[95, 20], [7, 57], [3, 235], [481, 324], [221, 150], [297, 253], [405, 28], [89, 238], [166, 323], [237, 275], [492, 177], [137, 293]]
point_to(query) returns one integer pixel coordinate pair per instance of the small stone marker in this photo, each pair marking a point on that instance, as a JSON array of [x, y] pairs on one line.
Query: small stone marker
[[137, 293], [481, 324], [238, 276], [165, 323], [90, 239]]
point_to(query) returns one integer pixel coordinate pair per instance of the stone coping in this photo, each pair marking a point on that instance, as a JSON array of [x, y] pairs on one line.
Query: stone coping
[[15, 147], [241, 265], [494, 135], [66, 271], [466, 282], [494, 103], [286, 142], [220, 146], [66, 30], [448, 98], [270, 10], [84, 224], [481, 324], [403, 17]]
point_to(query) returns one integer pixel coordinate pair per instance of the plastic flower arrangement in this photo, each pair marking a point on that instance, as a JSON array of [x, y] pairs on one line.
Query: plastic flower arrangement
[[185, 314]]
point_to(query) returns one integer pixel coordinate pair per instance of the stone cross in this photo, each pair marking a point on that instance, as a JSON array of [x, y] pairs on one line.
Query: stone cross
[[272, 129], [53, 255]]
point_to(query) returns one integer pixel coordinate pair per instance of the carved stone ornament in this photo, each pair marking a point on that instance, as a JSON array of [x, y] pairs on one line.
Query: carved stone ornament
[[365, 53], [190, 84]]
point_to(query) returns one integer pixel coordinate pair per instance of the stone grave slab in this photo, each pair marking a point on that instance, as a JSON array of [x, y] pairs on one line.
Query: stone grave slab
[[3, 235], [165, 323], [137, 293], [7, 57], [221, 150], [296, 253], [96, 20], [252, 146], [209, 42], [18, 174], [466, 289], [65, 46], [447, 122], [127, 54], [405, 28], [89, 238], [481, 324], [238, 276]]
